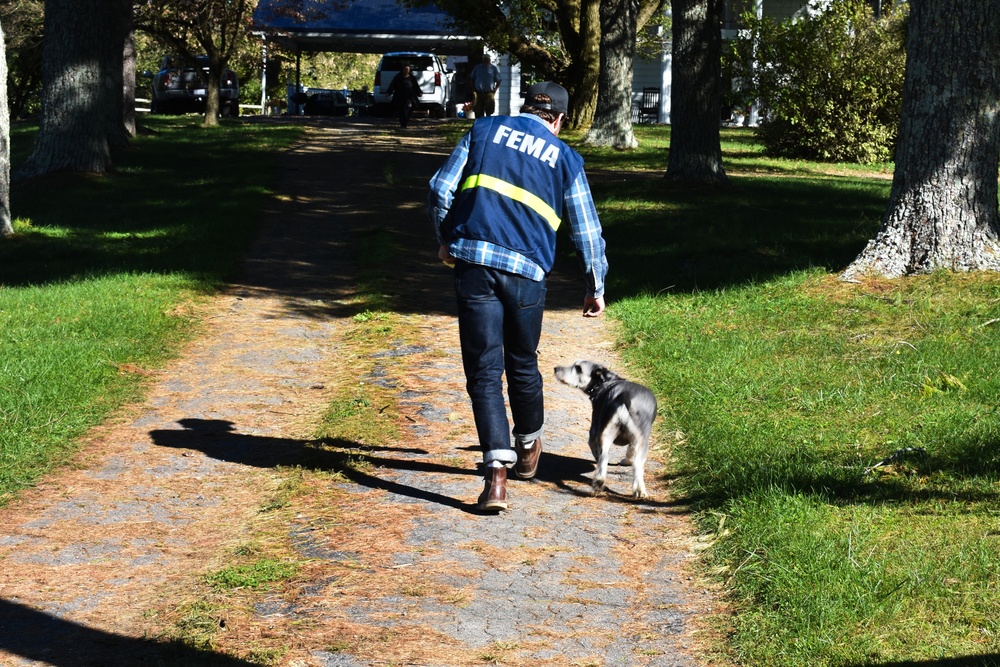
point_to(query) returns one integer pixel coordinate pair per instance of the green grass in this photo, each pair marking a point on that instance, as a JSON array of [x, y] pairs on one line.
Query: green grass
[[790, 388], [258, 575], [97, 286]]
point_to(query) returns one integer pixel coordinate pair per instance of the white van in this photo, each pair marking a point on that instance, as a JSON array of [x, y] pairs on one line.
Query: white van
[[435, 81]]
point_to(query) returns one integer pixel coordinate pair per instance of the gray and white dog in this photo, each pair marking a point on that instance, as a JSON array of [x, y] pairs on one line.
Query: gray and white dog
[[623, 415]]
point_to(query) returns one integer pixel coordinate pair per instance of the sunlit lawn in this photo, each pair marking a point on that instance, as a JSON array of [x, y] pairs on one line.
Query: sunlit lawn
[[838, 441]]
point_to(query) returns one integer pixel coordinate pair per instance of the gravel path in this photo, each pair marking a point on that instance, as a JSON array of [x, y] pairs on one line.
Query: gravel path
[[96, 560]]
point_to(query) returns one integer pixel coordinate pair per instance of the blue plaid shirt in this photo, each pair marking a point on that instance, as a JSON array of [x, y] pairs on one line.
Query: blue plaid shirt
[[585, 227]]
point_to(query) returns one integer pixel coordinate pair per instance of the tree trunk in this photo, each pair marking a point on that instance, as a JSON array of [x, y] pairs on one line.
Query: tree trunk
[[612, 124], [942, 211], [212, 96], [113, 56], [6, 228], [128, 72], [76, 92], [695, 101], [584, 70]]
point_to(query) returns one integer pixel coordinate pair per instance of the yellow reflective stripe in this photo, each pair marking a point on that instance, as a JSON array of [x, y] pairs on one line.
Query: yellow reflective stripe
[[532, 201]]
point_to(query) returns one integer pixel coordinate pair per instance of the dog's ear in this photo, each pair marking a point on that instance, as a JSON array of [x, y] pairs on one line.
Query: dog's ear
[[598, 376]]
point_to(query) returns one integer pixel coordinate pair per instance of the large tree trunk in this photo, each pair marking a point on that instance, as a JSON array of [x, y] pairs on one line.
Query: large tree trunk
[[695, 101], [6, 228], [942, 211], [612, 124], [78, 92]]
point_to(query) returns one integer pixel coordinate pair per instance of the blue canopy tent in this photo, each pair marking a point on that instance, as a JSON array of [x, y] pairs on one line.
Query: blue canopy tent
[[360, 26]]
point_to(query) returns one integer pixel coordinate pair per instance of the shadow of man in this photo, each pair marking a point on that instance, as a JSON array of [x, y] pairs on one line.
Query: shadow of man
[[219, 439]]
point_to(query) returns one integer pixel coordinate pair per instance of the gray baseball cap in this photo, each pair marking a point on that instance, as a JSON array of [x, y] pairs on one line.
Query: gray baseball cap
[[555, 92]]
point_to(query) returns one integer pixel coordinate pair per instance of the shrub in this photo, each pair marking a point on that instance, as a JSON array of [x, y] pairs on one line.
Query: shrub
[[829, 82]]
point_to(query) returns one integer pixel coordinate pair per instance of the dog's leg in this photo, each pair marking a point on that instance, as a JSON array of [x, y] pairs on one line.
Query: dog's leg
[[629, 454], [638, 450], [603, 442], [641, 450], [601, 446]]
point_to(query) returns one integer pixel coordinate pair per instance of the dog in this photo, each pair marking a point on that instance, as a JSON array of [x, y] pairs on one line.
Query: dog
[[623, 415]]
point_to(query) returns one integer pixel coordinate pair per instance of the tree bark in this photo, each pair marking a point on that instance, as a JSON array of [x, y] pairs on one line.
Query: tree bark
[[695, 101], [113, 52], [78, 95], [942, 211], [586, 67], [612, 124], [128, 72], [6, 227]]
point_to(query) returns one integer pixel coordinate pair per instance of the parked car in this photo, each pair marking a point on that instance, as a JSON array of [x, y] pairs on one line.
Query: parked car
[[321, 102], [180, 87], [435, 81]]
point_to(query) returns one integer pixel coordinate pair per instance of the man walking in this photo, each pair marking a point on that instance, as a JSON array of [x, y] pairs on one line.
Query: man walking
[[485, 82], [496, 204]]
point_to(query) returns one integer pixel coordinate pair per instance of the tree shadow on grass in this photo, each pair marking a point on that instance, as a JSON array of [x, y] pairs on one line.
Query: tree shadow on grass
[[45, 638], [968, 471], [753, 231]]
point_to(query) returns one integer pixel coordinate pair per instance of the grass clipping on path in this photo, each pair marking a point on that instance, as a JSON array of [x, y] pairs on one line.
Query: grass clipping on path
[[842, 444]]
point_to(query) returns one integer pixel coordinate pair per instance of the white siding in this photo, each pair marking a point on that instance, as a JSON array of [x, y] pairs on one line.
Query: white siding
[[653, 74]]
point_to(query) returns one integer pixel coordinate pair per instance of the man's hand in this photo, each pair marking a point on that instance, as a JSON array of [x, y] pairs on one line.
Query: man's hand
[[593, 306], [445, 256]]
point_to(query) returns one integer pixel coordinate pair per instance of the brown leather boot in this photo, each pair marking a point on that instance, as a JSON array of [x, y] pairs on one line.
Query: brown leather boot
[[527, 459], [494, 495]]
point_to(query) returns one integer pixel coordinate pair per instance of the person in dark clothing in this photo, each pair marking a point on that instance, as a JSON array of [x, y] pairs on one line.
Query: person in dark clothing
[[496, 204], [405, 91]]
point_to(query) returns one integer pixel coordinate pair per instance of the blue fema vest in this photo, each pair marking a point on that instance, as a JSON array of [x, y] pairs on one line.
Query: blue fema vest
[[511, 192]]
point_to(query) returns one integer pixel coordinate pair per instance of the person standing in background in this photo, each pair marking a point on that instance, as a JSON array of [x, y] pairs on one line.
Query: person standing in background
[[485, 83], [405, 91]]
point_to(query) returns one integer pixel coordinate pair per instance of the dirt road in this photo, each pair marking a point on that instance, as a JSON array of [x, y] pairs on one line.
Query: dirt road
[[106, 562]]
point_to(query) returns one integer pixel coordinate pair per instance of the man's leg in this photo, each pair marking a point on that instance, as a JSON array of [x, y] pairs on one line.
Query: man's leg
[[479, 104], [524, 305], [490, 104], [481, 331]]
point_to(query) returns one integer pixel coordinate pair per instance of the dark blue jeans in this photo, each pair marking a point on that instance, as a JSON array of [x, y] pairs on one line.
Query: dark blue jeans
[[404, 109], [500, 323]]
